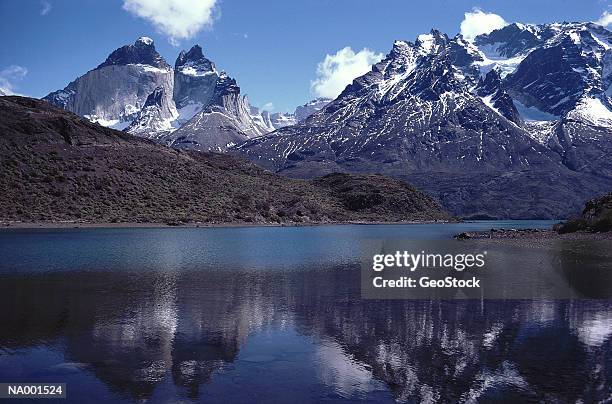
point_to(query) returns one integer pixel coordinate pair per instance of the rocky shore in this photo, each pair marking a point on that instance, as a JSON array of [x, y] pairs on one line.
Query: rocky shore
[[532, 234]]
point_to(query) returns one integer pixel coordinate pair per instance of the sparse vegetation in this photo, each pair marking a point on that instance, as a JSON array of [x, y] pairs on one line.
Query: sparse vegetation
[[596, 217], [88, 173]]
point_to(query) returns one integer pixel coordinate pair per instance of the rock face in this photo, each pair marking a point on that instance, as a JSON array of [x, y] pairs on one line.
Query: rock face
[[514, 125], [156, 116], [114, 92], [56, 166], [195, 78], [225, 120]]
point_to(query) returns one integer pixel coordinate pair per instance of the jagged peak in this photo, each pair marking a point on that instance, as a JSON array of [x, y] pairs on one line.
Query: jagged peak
[[193, 54], [399, 50], [144, 41], [226, 85], [194, 63], [490, 83], [141, 52], [398, 44], [432, 41], [438, 34]]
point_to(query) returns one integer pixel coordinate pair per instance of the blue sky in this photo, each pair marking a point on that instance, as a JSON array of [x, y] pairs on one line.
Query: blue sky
[[271, 47]]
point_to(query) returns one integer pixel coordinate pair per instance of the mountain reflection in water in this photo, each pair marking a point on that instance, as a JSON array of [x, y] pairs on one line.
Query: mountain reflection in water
[[275, 315], [298, 336]]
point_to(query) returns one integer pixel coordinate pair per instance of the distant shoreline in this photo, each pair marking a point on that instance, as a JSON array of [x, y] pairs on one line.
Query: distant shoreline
[[128, 225], [531, 235]]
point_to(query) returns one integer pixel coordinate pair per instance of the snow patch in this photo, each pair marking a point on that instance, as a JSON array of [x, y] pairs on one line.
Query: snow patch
[[532, 114], [109, 123], [145, 40], [593, 111], [149, 68], [488, 100], [491, 61], [427, 42], [186, 113], [191, 71], [120, 125]]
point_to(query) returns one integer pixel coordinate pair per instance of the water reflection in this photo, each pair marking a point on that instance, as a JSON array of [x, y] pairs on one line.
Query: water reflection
[[197, 332]]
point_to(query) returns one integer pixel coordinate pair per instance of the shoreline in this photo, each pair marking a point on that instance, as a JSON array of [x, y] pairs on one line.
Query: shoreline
[[153, 225], [534, 235]]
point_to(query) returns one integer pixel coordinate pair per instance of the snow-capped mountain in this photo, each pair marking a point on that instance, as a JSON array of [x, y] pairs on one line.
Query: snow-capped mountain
[[212, 113], [225, 120], [114, 92], [514, 124], [191, 106], [304, 111], [277, 120]]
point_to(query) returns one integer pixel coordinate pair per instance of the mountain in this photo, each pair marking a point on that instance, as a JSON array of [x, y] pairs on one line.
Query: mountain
[[193, 106], [272, 121], [513, 125], [277, 120], [304, 111], [224, 121], [57, 166], [114, 92]]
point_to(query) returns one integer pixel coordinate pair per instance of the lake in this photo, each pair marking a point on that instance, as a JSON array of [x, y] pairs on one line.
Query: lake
[[274, 314]]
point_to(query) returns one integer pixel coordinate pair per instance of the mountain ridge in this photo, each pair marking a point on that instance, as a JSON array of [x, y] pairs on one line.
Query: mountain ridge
[[441, 111]]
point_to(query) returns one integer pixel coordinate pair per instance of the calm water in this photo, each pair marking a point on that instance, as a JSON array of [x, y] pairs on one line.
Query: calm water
[[275, 315]]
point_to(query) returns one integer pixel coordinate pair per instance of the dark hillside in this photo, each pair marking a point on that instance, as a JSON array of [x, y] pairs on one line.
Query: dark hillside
[[56, 166]]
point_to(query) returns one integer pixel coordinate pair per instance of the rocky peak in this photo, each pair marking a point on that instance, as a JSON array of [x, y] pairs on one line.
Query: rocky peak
[[226, 85], [195, 78], [194, 59], [553, 78], [493, 93], [511, 40], [432, 42], [141, 52], [489, 84]]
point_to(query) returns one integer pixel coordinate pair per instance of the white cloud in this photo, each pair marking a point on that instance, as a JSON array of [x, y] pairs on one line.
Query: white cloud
[[478, 22], [178, 19], [340, 69], [45, 7], [8, 77], [605, 19], [268, 106]]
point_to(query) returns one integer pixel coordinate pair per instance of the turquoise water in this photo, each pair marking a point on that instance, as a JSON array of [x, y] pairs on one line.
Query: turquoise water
[[275, 315], [183, 249]]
